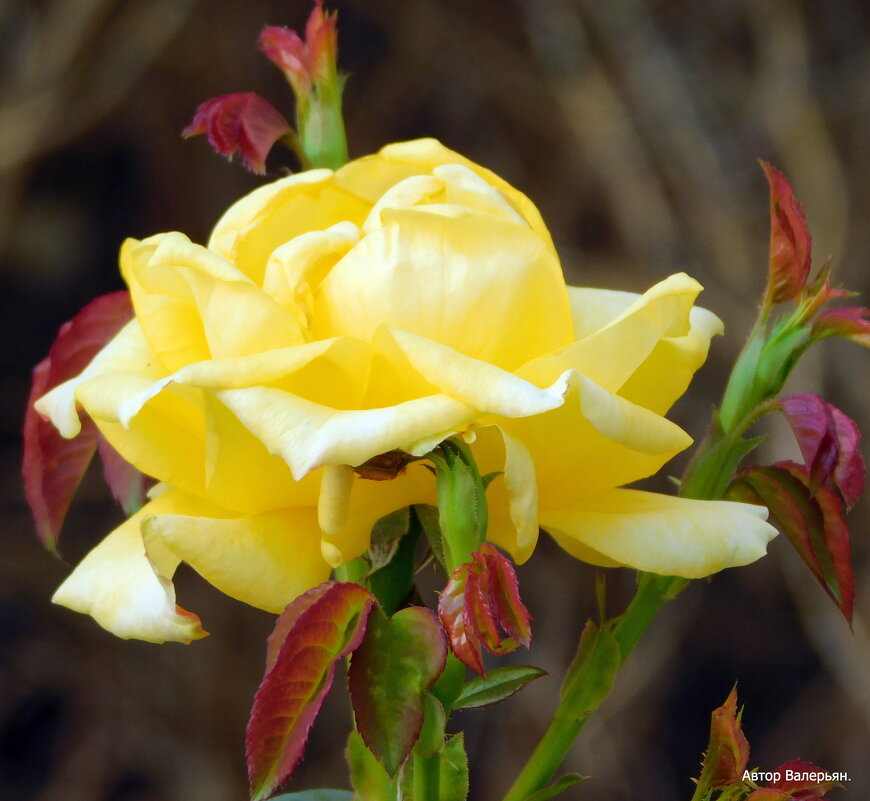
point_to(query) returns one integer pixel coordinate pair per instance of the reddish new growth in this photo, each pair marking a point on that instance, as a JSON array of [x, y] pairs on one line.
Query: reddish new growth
[[242, 123], [304, 62], [480, 605], [790, 242]]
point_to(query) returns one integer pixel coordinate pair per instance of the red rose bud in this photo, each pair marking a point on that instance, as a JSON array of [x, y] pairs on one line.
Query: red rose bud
[[480, 605], [242, 123], [790, 242], [729, 748], [850, 322], [795, 781]]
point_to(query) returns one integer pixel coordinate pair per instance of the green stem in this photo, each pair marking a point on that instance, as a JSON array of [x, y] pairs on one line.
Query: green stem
[[427, 777], [652, 593]]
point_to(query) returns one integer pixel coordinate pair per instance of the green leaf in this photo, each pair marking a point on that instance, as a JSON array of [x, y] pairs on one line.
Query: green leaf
[[499, 684], [318, 795], [368, 777], [592, 671], [385, 537], [454, 770], [391, 671], [557, 788], [450, 683]]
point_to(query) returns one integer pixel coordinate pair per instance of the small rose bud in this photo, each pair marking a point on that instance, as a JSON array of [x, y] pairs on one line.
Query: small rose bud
[[728, 747], [790, 241], [242, 123], [480, 605]]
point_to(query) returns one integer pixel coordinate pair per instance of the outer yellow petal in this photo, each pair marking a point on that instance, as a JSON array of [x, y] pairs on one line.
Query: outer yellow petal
[[128, 351], [611, 353], [512, 497], [264, 560], [667, 372], [594, 442], [308, 435], [660, 533], [441, 277], [254, 227], [127, 592]]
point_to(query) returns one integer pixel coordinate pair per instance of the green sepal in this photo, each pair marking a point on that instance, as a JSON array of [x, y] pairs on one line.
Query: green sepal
[[427, 515], [497, 685], [557, 788], [462, 510], [454, 770], [592, 672]]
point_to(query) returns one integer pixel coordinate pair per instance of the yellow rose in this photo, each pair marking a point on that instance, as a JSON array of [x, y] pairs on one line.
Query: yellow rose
[[335, 317]]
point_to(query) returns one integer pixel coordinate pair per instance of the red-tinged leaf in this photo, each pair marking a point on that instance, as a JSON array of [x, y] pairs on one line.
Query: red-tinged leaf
[[286, 50], [812, 422], [242, 123], [52, 466], [803, 780], [813, 522], [127, 484], [850, 472], [790, 242], [463, 637], [728, 745], [829, 440], [398, 661], [505, 594], [850, 322], [325, 626]]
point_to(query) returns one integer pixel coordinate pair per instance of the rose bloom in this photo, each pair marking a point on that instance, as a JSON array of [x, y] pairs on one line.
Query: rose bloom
[[336, 317]]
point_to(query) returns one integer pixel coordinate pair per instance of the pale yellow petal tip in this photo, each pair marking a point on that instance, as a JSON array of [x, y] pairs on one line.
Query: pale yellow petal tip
[[331, 554]]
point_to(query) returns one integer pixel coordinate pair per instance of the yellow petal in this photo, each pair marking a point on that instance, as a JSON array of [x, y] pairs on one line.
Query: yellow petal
[[308, 435], [594, 442], [251, 230], [668, 370], [512, 497], [372, 176], [128, 351], [660, 533], [452, 279], [193, 304], [127, 591], [610, 354], [265, 560]]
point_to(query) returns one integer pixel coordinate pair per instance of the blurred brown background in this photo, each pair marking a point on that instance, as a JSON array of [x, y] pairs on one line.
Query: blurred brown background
[[635, 126]]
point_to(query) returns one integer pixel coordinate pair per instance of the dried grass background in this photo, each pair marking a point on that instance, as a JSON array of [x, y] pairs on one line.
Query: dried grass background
[[634, 125]]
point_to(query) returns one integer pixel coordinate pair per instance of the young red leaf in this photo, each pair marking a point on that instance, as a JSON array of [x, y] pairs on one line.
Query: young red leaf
[[790, 242], [480, 604], [52, 466], [813, 522], [330, 625], [728, 747], [242, 123], [505, 595], [850, 471], [398, 661], [812, 784], [850, 322], [812, 422]]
